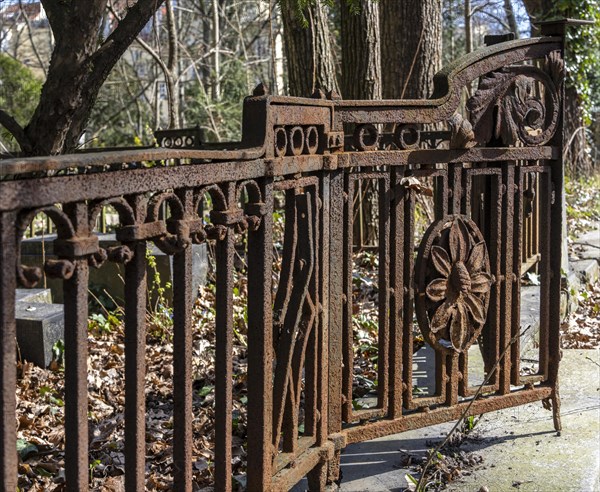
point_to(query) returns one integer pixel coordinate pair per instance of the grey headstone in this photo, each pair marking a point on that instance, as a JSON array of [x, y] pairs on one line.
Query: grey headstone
[[34, 295], [39, 327]]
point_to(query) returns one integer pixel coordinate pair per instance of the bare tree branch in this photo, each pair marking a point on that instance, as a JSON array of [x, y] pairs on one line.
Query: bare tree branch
[[16, 130]]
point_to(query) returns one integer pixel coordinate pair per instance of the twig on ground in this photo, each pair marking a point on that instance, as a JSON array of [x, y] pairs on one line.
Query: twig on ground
[[434, 453], [593, 361]]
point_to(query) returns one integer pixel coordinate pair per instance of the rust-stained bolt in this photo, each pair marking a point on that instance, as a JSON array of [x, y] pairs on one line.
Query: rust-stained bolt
[[199, 236], [98, 258], [253, 222], [120, 254], [217, 232], [30, 276], [62, 269]]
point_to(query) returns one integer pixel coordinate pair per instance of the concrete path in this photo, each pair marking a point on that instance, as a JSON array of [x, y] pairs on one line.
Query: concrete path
[[519, 447]]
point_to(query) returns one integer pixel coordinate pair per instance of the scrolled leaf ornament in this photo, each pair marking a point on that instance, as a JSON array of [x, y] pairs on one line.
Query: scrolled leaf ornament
[[453, 283], [518, 103]]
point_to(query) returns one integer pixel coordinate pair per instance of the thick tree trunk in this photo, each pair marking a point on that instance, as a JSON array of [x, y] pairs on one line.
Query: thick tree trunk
[[411, 46], [78, 68], [308, 50], [578, 160], [361, 79], [361, 59]]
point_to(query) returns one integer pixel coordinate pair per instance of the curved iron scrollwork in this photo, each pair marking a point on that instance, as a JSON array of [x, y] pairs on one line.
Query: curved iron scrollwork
[[509, 105], [453, 283]]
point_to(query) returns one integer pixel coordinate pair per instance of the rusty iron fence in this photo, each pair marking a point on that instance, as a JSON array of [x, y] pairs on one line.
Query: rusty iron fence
[[456, 283]]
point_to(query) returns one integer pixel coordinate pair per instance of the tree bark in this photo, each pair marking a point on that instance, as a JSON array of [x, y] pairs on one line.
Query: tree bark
[[411, 46], [308, 49], [578, 162], [361, 59], [78, 68]]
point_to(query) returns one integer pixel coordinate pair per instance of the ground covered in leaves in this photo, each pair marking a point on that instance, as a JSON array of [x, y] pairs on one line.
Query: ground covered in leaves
[[40, 405], [581, 328]]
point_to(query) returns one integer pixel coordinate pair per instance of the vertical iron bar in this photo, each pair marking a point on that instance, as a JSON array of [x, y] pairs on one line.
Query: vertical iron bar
[[322, 319], [76, 354], [407, 198], [518, 244], [384, 293], [545, 272], [8, 352], [397, 237], [507, 330], [223, 353], [335, 328], [135, 369], [313, 353], [260, 348], [183, 299], [347, 364]]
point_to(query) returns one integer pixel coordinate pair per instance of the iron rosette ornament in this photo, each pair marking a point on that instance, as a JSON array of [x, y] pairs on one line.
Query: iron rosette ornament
[[453, 283]]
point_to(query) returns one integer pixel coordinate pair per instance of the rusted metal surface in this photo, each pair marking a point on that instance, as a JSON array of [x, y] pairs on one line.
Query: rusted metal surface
[[486, 171]]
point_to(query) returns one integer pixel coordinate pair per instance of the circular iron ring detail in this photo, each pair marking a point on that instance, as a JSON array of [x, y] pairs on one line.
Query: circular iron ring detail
[[366, 137], [407, 137], [295, 140], [312, 140], [280, 141]]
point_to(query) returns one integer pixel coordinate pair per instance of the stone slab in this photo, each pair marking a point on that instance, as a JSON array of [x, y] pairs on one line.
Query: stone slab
[[519, 447], [39, 326], [34, 295]]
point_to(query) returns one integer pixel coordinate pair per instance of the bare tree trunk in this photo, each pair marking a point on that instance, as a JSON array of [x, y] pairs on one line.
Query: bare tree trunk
[[411, 46], [308, 49], [468, 25], [216, 88], [78, 68], [510, 17], [361, 59]]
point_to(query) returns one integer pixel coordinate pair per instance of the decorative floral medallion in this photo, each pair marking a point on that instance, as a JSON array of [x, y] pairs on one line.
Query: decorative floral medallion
[[453, 283]]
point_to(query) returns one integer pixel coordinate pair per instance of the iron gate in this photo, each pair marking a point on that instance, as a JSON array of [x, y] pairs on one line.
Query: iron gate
[[454, 284]]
